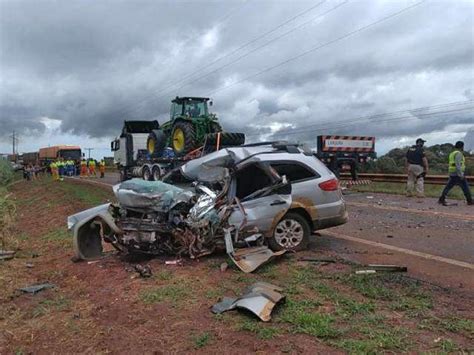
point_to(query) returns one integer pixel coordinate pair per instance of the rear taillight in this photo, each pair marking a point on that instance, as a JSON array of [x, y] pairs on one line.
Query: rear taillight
[[330, 185]]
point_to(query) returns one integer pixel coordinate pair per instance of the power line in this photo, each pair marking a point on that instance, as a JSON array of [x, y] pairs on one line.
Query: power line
[[372, 118], [277, 134], [170, 88], [313, 49], [219, 22]]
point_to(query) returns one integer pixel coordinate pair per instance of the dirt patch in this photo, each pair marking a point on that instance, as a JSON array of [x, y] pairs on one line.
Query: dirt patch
[[106, 307]]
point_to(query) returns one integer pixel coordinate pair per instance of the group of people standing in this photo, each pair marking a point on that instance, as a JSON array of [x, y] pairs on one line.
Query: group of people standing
[[417, 168], [61, 168], [88, 168]]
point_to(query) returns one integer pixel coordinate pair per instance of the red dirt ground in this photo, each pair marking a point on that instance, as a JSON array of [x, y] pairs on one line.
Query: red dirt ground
[[99, 307]]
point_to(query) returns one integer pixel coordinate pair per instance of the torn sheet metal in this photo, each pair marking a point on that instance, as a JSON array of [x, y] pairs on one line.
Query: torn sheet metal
[[37, 288], [260, 299], [249, 259], [86, 214], [210, 168], [138, 194]]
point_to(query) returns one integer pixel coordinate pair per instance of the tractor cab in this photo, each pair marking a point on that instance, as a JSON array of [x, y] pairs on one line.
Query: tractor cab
[[192, 107]]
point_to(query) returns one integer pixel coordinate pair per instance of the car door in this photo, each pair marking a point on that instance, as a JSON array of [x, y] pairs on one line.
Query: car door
[[264, 197]]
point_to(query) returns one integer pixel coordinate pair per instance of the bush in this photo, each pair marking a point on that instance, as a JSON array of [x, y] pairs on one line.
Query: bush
[[6, 172]]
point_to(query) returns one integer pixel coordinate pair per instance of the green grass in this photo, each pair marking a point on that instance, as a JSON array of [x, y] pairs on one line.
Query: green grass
[[58, 236], [375, 340], [261, 330], [400, 189], [448, 345], [89, 194], [201, 340], [174, 293], [59, 303]]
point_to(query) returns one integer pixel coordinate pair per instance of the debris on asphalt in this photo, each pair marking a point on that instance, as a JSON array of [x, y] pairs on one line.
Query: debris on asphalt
[[7, 254], [143, 270], [37, 288], [374, 268], [389, 236], [259, 298]]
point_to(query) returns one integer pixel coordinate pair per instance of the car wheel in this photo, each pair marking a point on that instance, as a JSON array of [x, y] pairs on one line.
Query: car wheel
[[291, 233]]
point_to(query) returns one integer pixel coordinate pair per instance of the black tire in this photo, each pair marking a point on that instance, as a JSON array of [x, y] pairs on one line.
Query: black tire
[[215, 127], [156, 173], [123, 175], [146, 173], [289, 242], [227, 139], [189, 137], [157, 141]]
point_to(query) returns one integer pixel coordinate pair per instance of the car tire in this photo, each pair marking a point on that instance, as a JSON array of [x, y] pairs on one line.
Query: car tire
[[291, 233]]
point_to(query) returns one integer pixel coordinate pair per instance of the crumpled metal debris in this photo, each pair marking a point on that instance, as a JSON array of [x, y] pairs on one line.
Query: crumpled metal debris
[[259, 298], [37, 288], [159, 218], [7, 254], [138, 194], [143, 270], [375, 268], [250, 258]]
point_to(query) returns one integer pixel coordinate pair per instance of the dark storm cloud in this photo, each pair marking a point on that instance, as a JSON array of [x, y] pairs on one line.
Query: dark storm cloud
[[91, 65]]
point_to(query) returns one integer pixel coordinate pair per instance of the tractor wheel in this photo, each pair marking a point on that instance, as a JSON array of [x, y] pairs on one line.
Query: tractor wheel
[[156, 142], [183, 137], [227, 139]]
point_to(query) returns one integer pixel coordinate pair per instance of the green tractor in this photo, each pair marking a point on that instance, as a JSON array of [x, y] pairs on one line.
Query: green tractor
[[189, 127]]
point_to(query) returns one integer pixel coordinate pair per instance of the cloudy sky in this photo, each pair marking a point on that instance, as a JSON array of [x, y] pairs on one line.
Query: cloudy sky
[[72, 71]]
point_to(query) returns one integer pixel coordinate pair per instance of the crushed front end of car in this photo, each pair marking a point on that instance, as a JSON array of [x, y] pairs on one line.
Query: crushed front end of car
[[192, 214]]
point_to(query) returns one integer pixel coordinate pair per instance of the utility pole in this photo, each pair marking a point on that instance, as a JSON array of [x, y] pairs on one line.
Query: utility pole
[[89, 152], [14, 145]]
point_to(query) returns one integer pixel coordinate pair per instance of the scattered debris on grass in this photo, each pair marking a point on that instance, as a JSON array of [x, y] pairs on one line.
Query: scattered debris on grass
[[143, 270], [37, 288], [372, 269], [7, 254], [259, 298]]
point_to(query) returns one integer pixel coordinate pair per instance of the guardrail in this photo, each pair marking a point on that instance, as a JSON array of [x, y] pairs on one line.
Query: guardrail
[[402, 178]]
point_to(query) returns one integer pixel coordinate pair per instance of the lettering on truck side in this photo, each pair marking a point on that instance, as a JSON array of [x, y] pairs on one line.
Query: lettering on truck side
[[345, 143]]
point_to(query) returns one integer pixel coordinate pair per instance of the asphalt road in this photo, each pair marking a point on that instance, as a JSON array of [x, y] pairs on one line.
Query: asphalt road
[[436, 243]]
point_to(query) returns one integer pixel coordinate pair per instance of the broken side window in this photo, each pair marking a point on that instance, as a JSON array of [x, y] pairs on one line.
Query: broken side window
[[294, 172], [250, 179]]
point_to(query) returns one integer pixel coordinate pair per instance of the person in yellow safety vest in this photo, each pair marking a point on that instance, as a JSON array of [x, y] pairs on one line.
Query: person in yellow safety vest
[[83, 168], [102, 168], [456, 169], [52, 167], [92, 167], [56, 171]]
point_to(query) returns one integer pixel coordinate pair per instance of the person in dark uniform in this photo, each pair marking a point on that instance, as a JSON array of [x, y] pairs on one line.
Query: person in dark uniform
[[416, 166]]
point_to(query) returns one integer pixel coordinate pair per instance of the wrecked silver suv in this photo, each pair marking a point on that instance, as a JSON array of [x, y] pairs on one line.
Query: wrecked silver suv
[[244, 199]]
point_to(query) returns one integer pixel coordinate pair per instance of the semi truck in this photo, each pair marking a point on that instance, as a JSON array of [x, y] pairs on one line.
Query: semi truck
[[345, 153], [66, 152]]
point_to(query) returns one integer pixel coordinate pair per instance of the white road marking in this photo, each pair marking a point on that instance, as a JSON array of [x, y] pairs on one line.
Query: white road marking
[[400, 250]]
